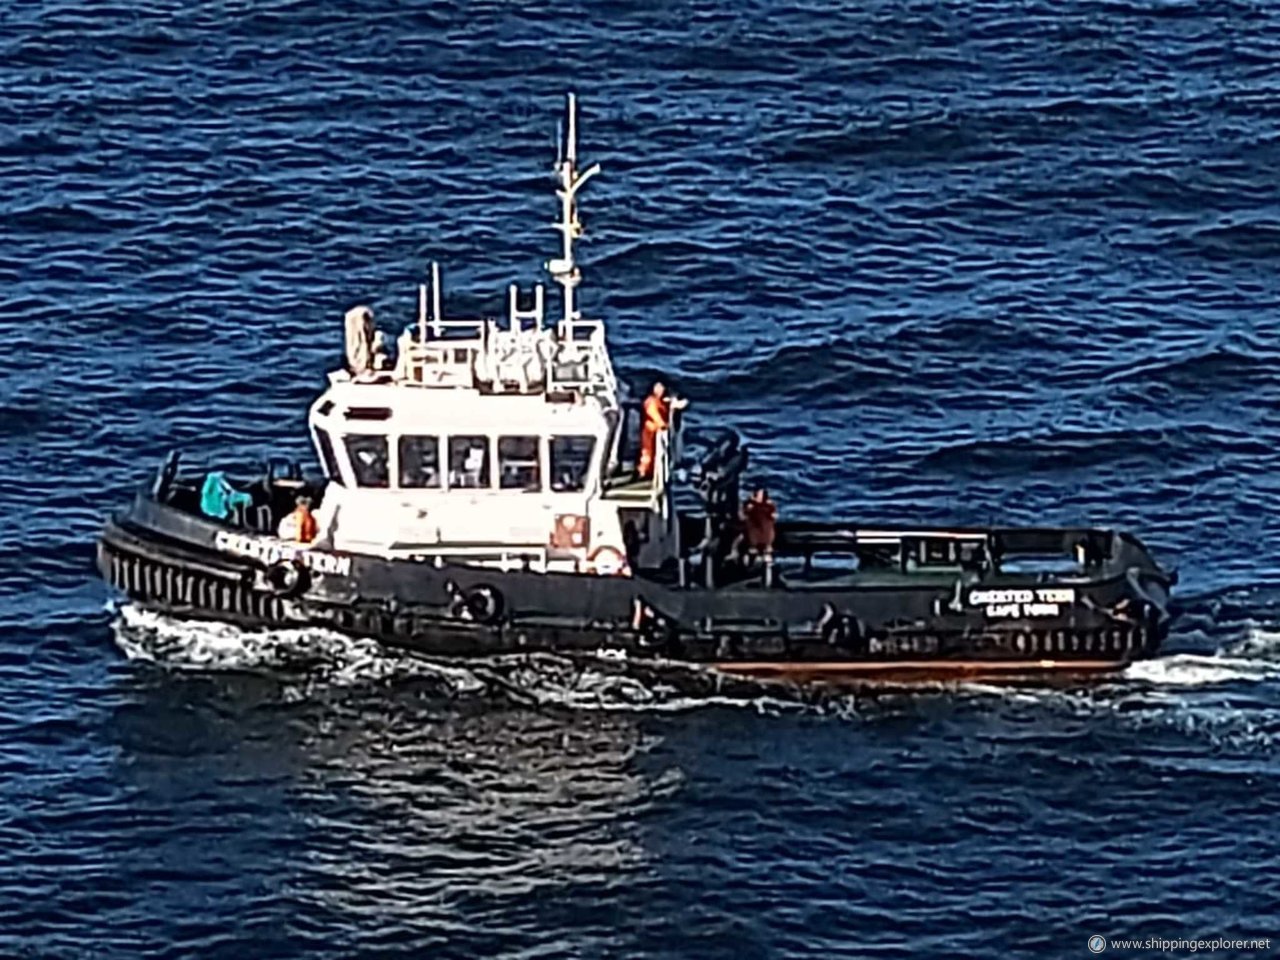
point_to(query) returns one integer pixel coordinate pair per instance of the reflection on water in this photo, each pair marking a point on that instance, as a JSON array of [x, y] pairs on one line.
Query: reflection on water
[[537, 800], [385, 787], [473, 803]]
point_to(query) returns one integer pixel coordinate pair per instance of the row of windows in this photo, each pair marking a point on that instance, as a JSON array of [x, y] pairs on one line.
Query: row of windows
[[465, 464]]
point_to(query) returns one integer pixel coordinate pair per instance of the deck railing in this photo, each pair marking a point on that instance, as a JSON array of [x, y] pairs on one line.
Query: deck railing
[[575, 358], [581, 361]]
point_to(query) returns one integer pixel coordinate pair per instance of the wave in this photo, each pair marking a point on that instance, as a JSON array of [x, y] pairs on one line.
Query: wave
[[1252, 241], [315, 654], [820, 373], [1063, 450], [23, 420], [1199, 670], [1261, 643], [979, 133], [1079, 449], [1200, 371], [305, 659], [64, 218], [309, 661], [37, 143], [1224, 698], [1181, 190]]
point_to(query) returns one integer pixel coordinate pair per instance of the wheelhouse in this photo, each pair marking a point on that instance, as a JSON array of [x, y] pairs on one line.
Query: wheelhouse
[[491, 441], [436, 451]]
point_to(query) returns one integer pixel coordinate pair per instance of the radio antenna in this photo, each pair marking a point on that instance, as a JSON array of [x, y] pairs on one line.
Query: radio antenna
[[563, 269]]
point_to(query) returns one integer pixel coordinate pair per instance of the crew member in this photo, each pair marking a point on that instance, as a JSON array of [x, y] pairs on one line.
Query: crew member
[[300, 525], [759, 522], [658, 408]]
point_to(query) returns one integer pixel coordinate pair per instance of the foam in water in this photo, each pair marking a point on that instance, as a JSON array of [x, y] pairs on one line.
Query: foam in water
[[1259, 642], [312, 661], [1252, 659], [311, 655], [305, 660], [1196, 670]]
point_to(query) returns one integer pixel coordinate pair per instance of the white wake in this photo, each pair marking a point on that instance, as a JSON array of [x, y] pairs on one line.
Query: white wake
[[303, 661], [1252, 659], [1168, 690]]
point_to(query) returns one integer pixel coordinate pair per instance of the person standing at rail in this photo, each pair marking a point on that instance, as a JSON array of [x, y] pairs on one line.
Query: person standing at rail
[[759, 521], [658, 410], [759, 529]]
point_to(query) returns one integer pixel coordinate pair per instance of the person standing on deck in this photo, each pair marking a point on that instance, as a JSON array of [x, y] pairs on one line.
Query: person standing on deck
[[299, 526], [658, 408], [759, 522]]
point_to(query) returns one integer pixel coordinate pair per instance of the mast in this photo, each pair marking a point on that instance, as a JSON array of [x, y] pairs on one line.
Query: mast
[[436, 314], [433, 317], [564, 270]]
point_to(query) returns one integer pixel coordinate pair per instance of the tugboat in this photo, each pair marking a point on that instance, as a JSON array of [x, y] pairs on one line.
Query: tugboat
[[480, 496]]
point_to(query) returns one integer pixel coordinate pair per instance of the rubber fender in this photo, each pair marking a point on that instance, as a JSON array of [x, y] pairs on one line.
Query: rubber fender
[[842, 630], [485, 604], [287, 578], [830, 626]]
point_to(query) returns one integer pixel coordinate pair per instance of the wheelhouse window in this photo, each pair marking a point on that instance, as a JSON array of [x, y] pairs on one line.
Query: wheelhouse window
[[327, 457], [368, 453], [519, 464], [419, 461], [570, 463], [468, 462]]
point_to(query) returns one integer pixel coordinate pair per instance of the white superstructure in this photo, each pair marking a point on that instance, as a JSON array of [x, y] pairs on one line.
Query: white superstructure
[[497, 443]]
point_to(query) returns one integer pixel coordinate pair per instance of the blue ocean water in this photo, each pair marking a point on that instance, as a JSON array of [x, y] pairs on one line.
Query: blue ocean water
[[973, 261]]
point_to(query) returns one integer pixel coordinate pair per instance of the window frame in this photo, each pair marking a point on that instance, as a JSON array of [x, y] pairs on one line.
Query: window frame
[[329, 456], [487, 467], [587, 474], [538, 461], [353, 460], [441, 474]]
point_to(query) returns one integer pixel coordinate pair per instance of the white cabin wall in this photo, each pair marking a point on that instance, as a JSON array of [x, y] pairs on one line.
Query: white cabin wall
[[402, 521], [385, 521], [606, 528]]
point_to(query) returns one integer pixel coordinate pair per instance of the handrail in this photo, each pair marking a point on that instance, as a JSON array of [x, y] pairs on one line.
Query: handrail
[[513, 556], [566, 363], [662, 470]]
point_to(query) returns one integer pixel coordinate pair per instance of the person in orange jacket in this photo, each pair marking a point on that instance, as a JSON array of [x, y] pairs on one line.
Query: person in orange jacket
[[299, 526], [658, 408], [759, 522]]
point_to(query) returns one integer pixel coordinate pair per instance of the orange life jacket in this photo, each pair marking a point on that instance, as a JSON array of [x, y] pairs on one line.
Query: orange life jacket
[[655, 413], [307, 526]]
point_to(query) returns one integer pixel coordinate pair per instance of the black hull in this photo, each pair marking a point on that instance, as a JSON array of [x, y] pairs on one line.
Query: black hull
[[172, 561]]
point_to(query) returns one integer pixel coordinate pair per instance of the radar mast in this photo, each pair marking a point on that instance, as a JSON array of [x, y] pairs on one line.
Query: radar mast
[[564, 270]]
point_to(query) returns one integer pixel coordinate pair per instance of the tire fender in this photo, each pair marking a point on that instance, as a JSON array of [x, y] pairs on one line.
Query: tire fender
[[484, 604], [287, 578]]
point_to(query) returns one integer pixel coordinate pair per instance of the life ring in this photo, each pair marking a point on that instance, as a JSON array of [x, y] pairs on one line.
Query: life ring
[[286, 578], [484, 604], [608, 562]]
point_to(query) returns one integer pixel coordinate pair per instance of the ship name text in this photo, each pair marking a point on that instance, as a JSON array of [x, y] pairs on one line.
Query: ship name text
[[1033, 602], [273, 551]]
